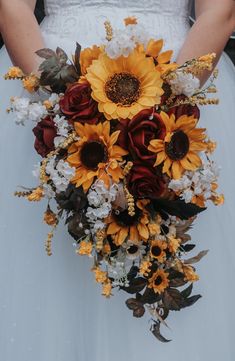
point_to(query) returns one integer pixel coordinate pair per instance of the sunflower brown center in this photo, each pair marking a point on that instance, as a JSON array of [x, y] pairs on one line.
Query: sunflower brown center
[[178, 147], [93, 153], [125, 220], [132, 249], [123, 88], [156, 251], [158, 281]]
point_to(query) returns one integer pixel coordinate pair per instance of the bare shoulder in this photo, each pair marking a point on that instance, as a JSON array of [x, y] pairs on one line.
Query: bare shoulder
[[204, 5], [30, 3], [223, 8]]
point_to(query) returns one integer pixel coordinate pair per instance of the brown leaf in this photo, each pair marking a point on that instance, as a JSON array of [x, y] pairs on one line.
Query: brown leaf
[[187, 291], [172, 299], [196, 258], [77, 58], [155, 329], [45, 53], [177, 282], [139, 311], [136, 306], [136, 285], [183, 228], [149, 296], [191, 300], [62, 56]]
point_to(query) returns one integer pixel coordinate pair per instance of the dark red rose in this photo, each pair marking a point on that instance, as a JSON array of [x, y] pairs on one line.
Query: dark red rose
[[144, 182], [78, 105], [45, 132], [137, 133], [185, 109]]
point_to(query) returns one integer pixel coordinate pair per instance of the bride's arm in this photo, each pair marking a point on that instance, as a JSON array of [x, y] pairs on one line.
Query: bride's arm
[[20, 32], [215, 22]]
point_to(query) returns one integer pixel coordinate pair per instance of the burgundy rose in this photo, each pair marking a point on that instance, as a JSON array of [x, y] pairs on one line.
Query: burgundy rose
[[78, 105], [144, 182], [186, 109], [45, 132], [137, 133]]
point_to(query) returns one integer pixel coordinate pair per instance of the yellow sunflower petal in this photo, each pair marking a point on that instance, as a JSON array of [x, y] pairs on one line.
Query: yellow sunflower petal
[[194, 158], [167, 166], [186, 164], [176, 170], [156, 145], [110, 107], [123, 112], [143, 231], [134, 235], [113, 228], [164, 57], [154, 47], [121, 236], [161, 156]]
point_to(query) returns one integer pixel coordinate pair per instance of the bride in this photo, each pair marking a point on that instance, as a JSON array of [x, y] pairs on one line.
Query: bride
[[50, 308]]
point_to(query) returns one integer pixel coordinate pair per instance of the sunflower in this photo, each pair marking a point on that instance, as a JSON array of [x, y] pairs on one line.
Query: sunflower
[[157, 250], [161, 59], [122, 226], [133, 249], [95, 155], [87, 56], [179, 150], [173, 244], [126, 85], [159, 281]]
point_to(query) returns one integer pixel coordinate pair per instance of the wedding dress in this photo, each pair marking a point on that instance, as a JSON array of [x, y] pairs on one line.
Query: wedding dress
[[50, 307]]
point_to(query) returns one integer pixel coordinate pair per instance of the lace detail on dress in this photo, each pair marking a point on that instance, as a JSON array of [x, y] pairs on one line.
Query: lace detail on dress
[[83, 21]]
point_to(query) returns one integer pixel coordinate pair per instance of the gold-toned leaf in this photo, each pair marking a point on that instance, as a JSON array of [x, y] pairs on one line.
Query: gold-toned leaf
[[196, 258]]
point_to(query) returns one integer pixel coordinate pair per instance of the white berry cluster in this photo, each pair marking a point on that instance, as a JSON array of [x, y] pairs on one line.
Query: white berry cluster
[[197, 183], [100, 204], [63, 129], [60, 173], [25, 110], [184, 83]]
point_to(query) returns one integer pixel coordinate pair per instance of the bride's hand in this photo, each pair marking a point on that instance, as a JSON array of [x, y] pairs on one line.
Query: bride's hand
[[215, 22], [20, 32]]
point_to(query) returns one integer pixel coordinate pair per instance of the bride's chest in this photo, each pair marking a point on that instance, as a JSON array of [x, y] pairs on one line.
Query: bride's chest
[[163, 7]]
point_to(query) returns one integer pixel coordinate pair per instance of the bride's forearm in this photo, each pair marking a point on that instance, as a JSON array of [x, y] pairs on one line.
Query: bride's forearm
[[20, 32], [214, 24]]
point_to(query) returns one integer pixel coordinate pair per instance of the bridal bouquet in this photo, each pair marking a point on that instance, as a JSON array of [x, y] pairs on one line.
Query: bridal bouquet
[[123, 156]]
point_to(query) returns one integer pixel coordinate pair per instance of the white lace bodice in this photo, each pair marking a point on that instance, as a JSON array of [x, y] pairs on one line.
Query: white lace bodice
[[82, 21]]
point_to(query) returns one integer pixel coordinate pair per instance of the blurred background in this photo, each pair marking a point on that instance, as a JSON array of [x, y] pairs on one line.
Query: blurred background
[[230, 47]]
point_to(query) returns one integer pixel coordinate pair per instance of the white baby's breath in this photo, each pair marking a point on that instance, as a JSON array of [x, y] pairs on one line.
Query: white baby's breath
[[184, 83]]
